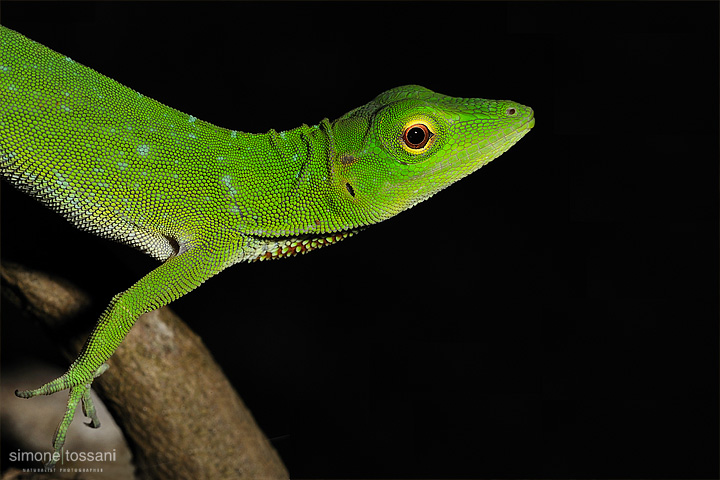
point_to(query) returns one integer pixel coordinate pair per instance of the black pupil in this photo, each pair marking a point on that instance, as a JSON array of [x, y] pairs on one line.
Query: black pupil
[[416, 136]]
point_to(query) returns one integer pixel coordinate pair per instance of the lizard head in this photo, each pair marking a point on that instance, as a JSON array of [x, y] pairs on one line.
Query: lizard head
[[410, 142]]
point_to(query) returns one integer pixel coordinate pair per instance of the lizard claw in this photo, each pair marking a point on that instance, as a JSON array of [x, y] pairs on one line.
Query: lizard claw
[[88, 408]]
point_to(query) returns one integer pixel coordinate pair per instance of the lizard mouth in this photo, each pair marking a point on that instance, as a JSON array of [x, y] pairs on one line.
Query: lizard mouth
[[502, 144], [530, 123]]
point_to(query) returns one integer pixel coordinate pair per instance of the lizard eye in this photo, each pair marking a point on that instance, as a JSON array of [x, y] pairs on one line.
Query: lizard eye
[[417, 136]]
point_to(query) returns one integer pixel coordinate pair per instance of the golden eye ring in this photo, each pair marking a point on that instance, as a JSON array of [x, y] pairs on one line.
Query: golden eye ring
[[416, 136]]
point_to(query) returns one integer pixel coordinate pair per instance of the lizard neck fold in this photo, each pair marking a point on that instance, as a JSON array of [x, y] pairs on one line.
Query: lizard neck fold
[[278, 183]]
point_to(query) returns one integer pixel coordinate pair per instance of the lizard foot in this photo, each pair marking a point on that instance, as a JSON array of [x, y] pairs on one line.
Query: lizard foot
[[78, 393]]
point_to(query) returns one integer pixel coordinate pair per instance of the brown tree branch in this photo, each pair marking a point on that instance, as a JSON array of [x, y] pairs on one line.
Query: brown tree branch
[[180, 415]]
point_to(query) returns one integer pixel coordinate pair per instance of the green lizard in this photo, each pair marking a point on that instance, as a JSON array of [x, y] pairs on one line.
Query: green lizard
[[200, 198]]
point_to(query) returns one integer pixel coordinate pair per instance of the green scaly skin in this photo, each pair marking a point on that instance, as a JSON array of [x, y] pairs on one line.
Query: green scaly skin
[[200, 198]]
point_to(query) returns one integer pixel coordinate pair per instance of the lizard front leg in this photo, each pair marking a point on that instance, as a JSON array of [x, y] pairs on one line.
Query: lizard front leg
[[177, 276]]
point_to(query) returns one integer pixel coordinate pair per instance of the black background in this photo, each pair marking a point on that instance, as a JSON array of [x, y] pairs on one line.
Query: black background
[[554, 315]]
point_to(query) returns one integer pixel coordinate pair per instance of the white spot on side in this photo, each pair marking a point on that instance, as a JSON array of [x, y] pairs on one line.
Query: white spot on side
[[192, 119], [227, 181], [68, 59], [143, 150], [62, 179], [233, 134]]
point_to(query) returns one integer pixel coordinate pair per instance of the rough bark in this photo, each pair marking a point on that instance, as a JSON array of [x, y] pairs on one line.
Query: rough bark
[[180, 415]]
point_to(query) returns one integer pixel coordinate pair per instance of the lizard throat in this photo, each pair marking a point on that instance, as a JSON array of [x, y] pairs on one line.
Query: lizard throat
[[283, 247]]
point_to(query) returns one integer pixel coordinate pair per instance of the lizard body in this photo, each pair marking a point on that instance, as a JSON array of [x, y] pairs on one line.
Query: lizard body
[[201, 198]]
